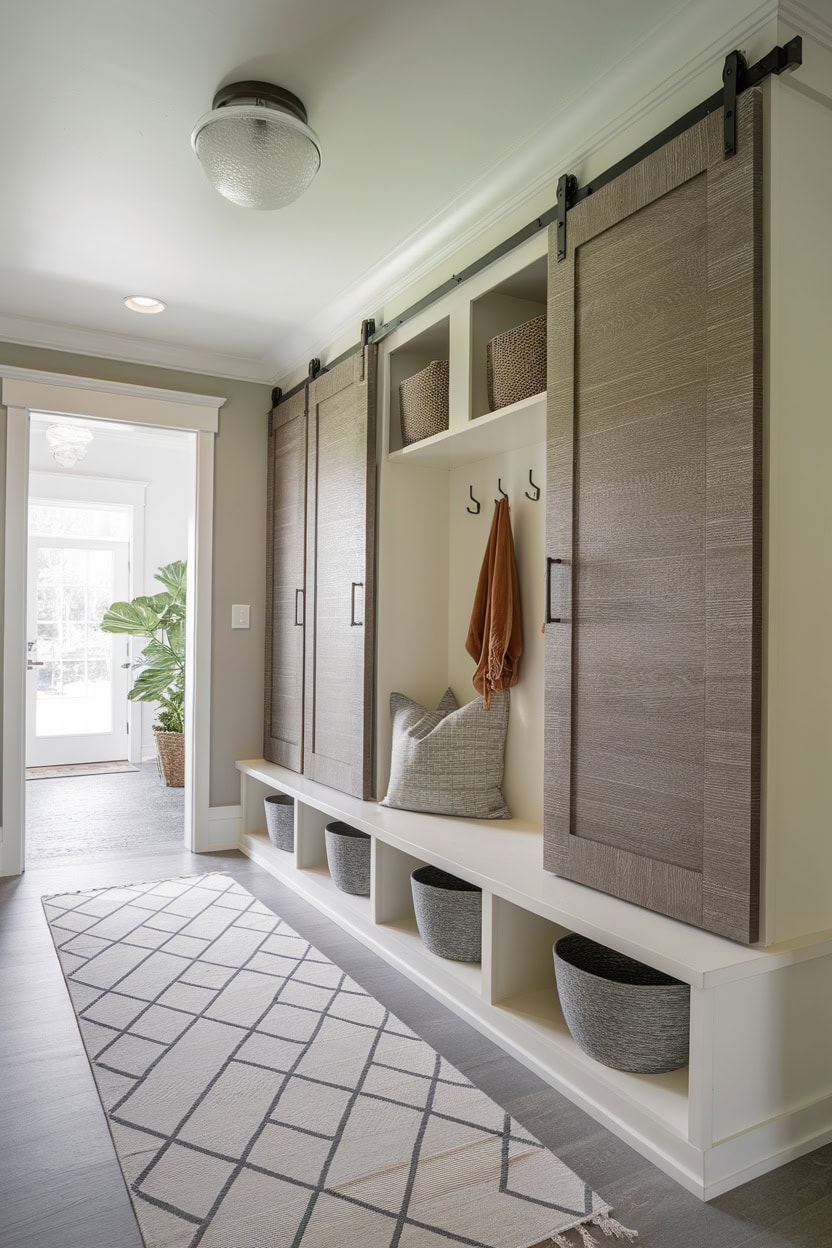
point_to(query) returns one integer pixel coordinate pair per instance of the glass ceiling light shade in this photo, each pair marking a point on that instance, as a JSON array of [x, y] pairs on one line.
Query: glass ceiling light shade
[[255, 146], [68, 444]]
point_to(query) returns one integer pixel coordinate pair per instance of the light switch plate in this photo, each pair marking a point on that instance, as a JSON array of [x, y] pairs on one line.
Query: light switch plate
[[241, 615]]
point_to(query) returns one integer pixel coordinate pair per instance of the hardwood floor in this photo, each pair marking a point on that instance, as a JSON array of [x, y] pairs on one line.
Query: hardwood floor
[[101, 814], [60, 1183]]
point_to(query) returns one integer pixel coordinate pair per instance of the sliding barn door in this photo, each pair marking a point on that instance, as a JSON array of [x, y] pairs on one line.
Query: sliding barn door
[[338, 730], [285, 583], [654, 534]]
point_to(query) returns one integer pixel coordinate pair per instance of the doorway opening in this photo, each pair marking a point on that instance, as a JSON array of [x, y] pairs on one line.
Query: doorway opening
[[99, 528]]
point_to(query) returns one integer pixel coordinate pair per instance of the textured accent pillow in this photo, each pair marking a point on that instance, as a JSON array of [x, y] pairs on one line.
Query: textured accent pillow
[[449, 761]]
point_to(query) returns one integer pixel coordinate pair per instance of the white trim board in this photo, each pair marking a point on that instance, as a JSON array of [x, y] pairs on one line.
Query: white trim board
[[95, 399], [25, 390]]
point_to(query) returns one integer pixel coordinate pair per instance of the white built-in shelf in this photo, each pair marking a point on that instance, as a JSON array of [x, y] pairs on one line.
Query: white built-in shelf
[[535, 1020], [521, 424], [505, 857], [712, 1124]]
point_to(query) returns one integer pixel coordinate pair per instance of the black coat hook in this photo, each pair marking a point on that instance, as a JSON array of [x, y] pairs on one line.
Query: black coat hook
[[534, 497], [475, 511], [500, 487]]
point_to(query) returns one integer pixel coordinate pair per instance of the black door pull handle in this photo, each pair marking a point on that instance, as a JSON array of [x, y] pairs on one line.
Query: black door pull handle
[[550, 619], [354, 623]]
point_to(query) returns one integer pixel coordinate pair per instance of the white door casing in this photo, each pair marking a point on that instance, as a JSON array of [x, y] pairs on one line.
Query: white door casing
[[27, 390]]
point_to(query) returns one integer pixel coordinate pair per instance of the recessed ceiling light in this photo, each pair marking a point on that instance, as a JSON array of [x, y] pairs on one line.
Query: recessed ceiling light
[[143, 303]]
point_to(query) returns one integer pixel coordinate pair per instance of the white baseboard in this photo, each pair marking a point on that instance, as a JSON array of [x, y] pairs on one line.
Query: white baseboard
[[222, 831]]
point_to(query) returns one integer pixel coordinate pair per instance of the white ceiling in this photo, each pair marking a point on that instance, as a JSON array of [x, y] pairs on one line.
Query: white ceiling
[[424, 109]]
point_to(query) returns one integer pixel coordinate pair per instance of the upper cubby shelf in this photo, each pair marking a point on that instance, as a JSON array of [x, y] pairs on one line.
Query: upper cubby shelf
[[457, 330], [511, 303], [432, 343], [521, 424]]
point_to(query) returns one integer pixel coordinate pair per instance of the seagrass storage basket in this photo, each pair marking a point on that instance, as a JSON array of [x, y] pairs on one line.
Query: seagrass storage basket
[[516, 364], [280, 820], [348, 858], [423, 402], [619, 1011], [170, 747], [448, 914]]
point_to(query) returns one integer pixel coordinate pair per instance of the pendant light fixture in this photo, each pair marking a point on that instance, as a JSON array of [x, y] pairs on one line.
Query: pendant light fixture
[[255, 146]]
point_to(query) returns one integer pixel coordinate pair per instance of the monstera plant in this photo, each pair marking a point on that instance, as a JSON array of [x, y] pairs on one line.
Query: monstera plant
[[161, 668]]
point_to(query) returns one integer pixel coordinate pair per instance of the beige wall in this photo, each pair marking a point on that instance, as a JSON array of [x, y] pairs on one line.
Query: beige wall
[[239, 544], [798, 703]]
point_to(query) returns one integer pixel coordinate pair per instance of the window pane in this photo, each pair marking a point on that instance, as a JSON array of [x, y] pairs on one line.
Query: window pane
[[67, 520], [74, 605], [74, 688]]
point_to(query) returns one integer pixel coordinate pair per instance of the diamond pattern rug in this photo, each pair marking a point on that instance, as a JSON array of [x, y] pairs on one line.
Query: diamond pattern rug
[[259, 1098]]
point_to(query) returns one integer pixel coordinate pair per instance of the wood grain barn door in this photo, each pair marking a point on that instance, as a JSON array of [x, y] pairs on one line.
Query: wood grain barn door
[[285, 583], [654, 534], [340, 643]]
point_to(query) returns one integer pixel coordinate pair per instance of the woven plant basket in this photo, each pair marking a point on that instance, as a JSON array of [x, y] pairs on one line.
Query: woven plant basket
[[348, 858], [170, 746], [280, 820], [423, 402], [448, 914], [619, 1011], [516, 364]]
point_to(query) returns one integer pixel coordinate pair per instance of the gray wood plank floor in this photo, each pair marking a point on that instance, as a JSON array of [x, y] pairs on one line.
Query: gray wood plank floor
[[60, 1184]]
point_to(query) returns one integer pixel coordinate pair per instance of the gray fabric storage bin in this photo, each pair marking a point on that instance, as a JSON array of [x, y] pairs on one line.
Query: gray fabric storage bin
[[448, 914], [280, 820], [619, 1011], [348, 858]]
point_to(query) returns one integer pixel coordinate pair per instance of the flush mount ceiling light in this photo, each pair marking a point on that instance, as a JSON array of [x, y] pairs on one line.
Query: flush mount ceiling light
[[144, 303], [68, 444], [255, 146]]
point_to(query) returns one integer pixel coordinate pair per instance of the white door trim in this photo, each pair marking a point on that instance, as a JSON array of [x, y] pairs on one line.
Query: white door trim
[[12, 821], [58, 393], [27, 390]]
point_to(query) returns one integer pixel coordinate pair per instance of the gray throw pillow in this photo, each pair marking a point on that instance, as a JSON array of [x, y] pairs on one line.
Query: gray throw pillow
[[449, 761]]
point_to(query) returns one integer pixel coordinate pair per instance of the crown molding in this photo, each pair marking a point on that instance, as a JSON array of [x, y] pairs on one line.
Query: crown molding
[[808, 21], [596, 117], [53, 336]]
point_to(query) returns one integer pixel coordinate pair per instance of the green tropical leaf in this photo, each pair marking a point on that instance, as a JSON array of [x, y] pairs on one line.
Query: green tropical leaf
[[174, 577], [150, 685], [156, 602], [162, 657], [176, 637], [130, 617], [160, 618]]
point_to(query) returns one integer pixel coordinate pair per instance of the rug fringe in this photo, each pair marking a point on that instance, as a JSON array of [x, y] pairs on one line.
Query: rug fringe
[[612, 1227], [608, 1226]]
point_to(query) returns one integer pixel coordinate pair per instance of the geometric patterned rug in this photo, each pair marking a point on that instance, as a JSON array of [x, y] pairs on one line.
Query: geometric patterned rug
[[259, 1098]]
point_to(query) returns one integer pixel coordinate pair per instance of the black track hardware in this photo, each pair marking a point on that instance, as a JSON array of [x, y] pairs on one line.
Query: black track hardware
[[567, 187], [777, 61]]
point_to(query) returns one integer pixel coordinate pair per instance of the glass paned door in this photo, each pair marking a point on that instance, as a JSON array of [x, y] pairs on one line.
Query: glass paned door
[[76, 682]]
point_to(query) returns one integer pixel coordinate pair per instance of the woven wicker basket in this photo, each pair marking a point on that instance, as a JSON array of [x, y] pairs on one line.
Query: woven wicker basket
[[348, 858], [423, 402], [619, 1011], [280, 820], [170, 747], [516, 364], [448, 914]]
